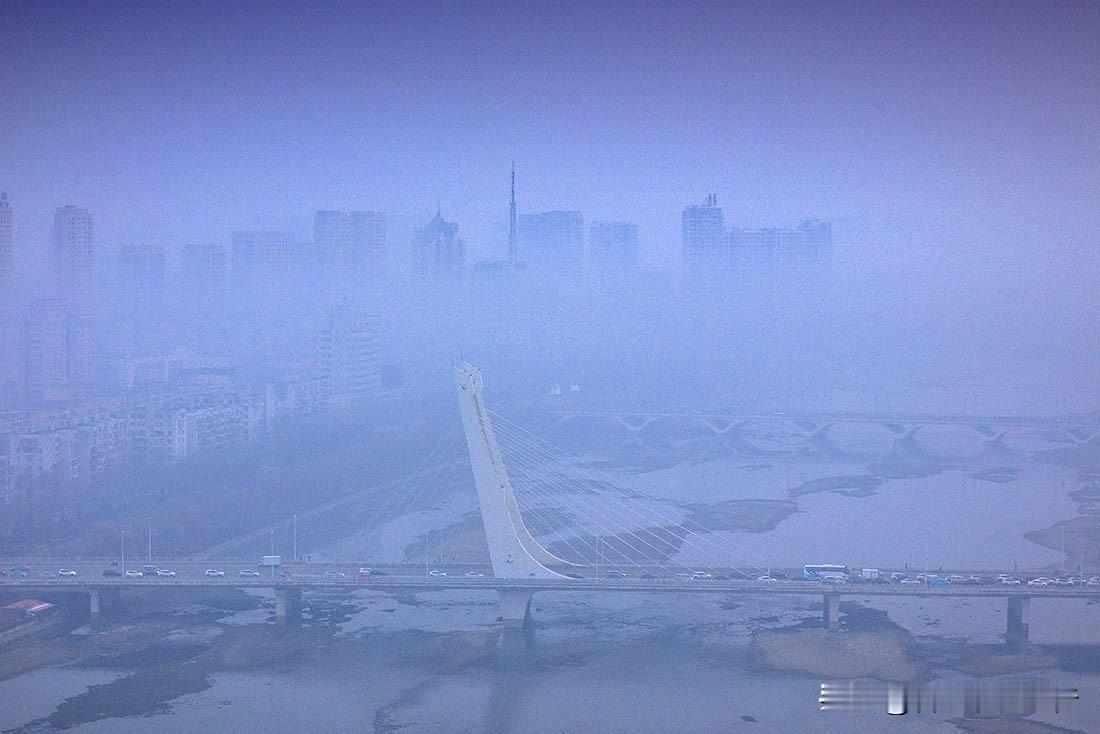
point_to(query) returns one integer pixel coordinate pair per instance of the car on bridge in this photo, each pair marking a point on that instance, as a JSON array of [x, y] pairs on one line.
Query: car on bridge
[[474, 574], [46, 575], [132, 574], [907, 581], [110, 572], [214, 573], [165, 573], [1039, 582], [66, 572], [1011, 581], [436, 572], [17, 573], [249, 573], [363, 575], [616, 575]]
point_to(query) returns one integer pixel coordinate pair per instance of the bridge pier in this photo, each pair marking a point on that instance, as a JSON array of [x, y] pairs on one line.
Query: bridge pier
[[101, 601], [288, 606], [1019, 616], [515, 607], [830, 610]]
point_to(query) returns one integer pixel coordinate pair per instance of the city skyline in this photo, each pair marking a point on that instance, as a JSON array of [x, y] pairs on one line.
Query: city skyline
[[898, 115]]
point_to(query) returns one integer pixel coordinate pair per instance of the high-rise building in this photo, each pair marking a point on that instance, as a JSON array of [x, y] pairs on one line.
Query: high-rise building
[[552, 241], [439, 258], [141, 273], [612, 246], [7, 304], [73, 250], [350, 247], [6, 255], [349, 346], [817, 232], [703, 234], [263, 261], [55, 347], [783, 250], [513, 232], [204, 272], [497, 292]]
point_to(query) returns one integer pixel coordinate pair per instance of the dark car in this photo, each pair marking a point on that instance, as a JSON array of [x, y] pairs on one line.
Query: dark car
[[111, 572], [17, 573], [574, 576]]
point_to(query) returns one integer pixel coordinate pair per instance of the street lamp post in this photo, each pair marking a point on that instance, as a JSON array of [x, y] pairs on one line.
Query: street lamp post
[[123, 534]]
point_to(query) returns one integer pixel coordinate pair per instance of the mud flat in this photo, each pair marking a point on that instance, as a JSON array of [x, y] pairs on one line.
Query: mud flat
[[863, 483], [869, 645], [880, 654], [1074, 536], [998, 474], [1002, 725], [161, 672], [752, 516]]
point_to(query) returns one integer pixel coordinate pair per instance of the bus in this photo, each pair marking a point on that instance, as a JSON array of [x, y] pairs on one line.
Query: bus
[[825, 572]]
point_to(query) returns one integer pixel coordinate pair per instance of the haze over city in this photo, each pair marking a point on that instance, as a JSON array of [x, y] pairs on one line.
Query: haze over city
[[429, 363]]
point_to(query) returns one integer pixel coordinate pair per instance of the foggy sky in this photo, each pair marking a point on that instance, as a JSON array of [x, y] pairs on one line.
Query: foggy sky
[[182, 122]]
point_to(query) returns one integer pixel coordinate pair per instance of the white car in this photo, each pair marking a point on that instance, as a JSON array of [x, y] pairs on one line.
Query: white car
[[701, 575], [1038, 582], [134, 574], [1009, 581], [66, 572], [766, 579], [249, 572], [437, 572], [475, 574], [167, 573], [214, 573], [910, 582]]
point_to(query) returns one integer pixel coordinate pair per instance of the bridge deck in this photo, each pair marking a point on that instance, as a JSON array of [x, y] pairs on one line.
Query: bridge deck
[[677, 586]]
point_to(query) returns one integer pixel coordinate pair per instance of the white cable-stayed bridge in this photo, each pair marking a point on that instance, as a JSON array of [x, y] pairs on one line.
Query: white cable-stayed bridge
[[549, 522]]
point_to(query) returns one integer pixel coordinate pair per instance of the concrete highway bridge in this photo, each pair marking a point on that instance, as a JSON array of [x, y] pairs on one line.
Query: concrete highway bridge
[[290, 582], [520, 566], [1076, 430]]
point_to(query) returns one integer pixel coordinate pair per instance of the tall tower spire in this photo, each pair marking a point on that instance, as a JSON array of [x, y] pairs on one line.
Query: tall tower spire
[[513, 252]]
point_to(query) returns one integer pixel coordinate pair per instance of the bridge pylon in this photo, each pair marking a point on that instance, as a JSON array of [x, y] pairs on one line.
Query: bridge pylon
[[513, 551]]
